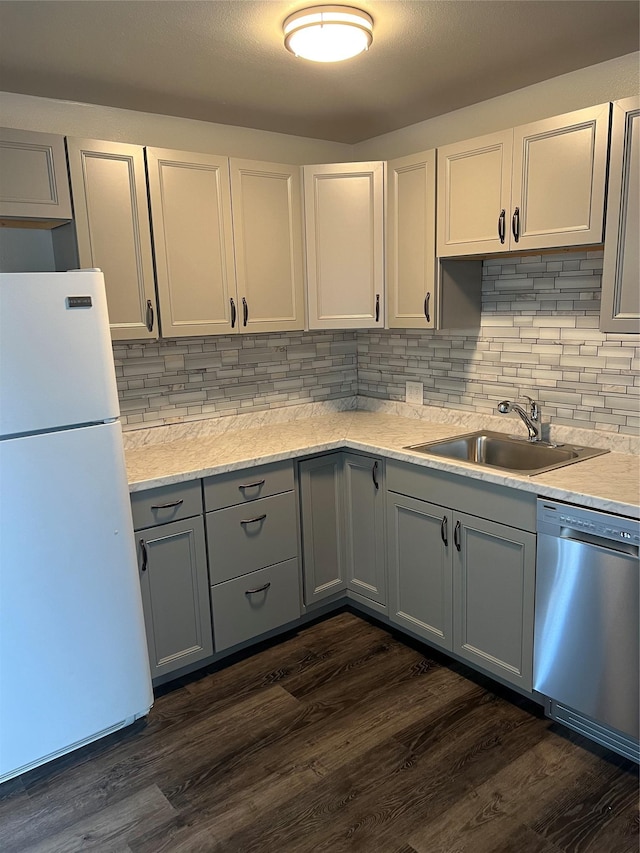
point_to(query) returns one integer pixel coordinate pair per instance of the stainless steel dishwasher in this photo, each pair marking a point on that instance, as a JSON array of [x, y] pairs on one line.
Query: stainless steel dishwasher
[[586, 641]]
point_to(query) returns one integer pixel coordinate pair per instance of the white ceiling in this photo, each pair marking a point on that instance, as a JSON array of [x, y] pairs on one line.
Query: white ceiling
[[224, 60]]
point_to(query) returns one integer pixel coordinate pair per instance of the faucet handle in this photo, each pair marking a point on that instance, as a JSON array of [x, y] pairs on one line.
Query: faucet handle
[[534, 407]]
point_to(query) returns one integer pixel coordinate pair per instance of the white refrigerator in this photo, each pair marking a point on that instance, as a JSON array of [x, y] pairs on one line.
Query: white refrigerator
[[73, 654]]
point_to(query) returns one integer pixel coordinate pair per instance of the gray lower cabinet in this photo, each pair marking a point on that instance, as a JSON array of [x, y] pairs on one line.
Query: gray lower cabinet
[[323, 527], [493, 595], [175, 594], [420, 577], [252, 541], [462, 581], [363, 479]]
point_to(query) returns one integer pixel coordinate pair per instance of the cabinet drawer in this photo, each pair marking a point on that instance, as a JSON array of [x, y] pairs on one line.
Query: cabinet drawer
[[239, 487], [245, 538], [251, 605], [167, 503]]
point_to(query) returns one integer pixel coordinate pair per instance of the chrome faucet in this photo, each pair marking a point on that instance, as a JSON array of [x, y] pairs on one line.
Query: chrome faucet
[[531, 420]]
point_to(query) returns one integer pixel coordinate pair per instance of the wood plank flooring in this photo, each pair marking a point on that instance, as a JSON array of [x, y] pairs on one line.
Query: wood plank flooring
[[342, 737]]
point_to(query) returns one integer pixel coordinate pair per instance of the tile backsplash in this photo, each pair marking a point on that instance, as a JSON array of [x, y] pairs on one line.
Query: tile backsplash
[[170, 381], [538, 336]]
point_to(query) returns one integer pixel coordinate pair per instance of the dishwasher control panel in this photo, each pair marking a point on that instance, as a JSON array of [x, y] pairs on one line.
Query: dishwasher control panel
[[590, 521]]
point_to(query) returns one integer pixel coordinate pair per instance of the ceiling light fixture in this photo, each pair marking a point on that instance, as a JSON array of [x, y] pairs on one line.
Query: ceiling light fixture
[[328, 33]]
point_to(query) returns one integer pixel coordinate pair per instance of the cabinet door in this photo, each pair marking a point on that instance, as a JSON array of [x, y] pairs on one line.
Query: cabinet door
[[558, 186], [112, 224], [33, 176], [365, 539], [620, 310], [267, 230], [474, 195], [420, 568], [344, 240], [323, 547], [411, 202], [493, 593], [193, 244], [175, 594]]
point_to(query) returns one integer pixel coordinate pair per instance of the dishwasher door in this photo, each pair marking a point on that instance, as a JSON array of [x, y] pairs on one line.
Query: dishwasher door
[[586, 618]]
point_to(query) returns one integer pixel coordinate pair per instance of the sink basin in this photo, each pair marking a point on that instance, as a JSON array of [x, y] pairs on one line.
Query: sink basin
[[497, 450]]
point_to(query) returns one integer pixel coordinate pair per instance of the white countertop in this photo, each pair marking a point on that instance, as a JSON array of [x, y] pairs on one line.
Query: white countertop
[[610, 482]]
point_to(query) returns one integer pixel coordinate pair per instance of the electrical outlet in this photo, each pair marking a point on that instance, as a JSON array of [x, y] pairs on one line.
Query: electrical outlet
[[415, 393]]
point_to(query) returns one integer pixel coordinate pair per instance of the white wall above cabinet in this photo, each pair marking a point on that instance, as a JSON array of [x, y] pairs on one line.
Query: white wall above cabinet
[[344, 223], [34, 187], [538, 186]]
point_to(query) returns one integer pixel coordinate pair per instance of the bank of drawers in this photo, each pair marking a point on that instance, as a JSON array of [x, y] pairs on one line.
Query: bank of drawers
[[253, 552]]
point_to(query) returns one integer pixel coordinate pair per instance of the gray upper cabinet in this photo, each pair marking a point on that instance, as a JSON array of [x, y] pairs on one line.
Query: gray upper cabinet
[[363, 478], [267, 232], [109, 189], [538, 186], [193, 243], [411, 238], [344, 229], [323, 521], [34, 185], [620, 309], [228, 244]]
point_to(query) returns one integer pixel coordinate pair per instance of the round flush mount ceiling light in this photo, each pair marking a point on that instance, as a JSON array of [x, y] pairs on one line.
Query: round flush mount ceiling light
[[328, 33]]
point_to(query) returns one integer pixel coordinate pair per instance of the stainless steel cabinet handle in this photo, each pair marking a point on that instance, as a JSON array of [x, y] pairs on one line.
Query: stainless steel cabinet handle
[[150, 315], [501, 225], [145, 561], [515, 224], [233, 313], [427, 300], [377, 307], [456, 536], [167, 506], [374, 474], [253, 520], [443, 531], [258, 589], [245, 312], [251, 485]]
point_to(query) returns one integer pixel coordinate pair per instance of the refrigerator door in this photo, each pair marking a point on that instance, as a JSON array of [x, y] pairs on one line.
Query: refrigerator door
[[56, 361], [73, 654]]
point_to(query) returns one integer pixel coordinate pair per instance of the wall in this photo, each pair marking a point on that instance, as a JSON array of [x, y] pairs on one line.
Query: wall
[[67, 118], [192, 378], [538, 336], [607, 81]]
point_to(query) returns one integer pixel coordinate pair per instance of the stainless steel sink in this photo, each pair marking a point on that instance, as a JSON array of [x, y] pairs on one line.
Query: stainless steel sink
[[497, 450]]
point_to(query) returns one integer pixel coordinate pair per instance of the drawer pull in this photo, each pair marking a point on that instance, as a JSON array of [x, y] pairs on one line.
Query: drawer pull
[[456, 536], [253, 520], [169, 505], [251, 485], [258, 589]]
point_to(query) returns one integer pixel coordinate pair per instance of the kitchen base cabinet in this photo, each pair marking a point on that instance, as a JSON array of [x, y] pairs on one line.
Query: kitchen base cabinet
[[323, 537], [493, 594], [463, 581], [255, 603], [363, 478], [420, 579], [175, 586]]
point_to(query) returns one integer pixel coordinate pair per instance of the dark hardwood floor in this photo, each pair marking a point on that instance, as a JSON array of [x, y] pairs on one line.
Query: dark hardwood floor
[[342, 737]]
